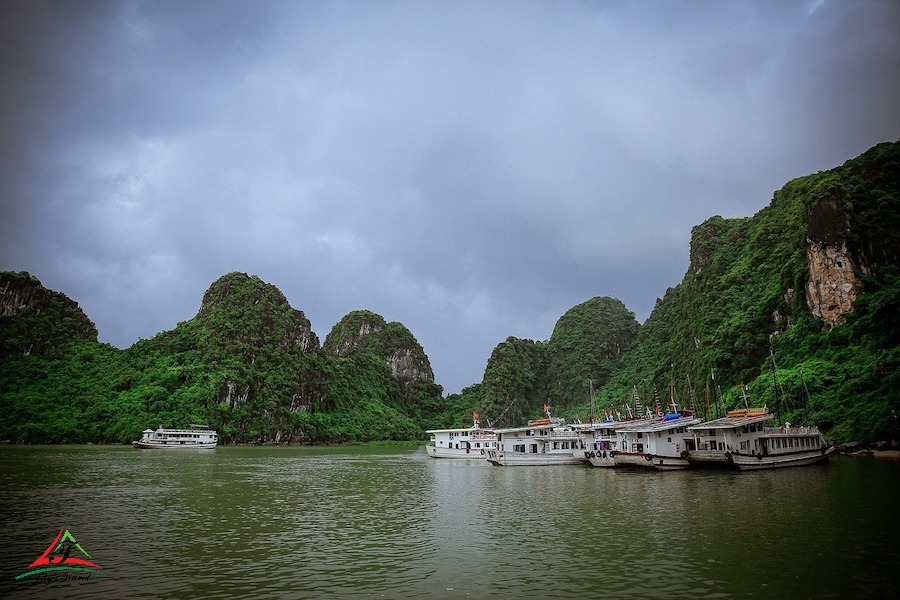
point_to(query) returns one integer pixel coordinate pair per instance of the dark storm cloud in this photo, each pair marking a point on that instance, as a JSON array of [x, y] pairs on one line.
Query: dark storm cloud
[[471, 169]]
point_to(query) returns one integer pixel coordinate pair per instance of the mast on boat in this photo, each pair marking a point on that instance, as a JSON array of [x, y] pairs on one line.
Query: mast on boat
[[775, 386]]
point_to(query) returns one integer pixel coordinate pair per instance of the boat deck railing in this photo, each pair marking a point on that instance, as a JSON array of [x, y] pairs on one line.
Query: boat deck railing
[[805, 430]]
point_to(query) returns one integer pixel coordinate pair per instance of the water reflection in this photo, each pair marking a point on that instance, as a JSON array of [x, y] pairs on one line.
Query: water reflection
[[390, 522]]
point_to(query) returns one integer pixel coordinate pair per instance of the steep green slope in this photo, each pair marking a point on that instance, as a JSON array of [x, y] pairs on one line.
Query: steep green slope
[[49, 355], [586, 348], [521, 376], [36, 320], [809, 284], [379, 379], [247, 364]]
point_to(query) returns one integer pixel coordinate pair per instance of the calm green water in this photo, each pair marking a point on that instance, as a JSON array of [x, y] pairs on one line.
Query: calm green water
[[393, 523]]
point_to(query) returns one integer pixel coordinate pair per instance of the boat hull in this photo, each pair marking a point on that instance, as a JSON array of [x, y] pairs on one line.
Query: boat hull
[[602, 458], [153, 446], [436, 452], [709, 458], [658, 462], [518, 459], [750, 462]]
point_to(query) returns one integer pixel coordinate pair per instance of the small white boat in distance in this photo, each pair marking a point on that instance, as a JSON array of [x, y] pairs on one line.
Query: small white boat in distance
[[465, 442], [197, 437]]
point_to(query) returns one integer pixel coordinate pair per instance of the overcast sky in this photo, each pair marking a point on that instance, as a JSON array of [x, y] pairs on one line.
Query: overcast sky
[[469, 169]]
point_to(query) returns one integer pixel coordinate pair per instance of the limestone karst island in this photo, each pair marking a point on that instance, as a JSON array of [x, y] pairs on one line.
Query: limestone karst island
[[796, 308]]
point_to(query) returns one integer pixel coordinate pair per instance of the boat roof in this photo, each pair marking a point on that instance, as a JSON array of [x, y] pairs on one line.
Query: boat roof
[[486, 430], [633, 423], [662, 424], [192, 429], [733, 422], [559, 425]]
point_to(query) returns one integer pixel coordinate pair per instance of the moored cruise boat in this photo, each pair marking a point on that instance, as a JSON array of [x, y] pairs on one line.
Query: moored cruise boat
[[657, 444], [603, 440], [785, 446], [715, 441], [198, 437], [543, 442], [592, 439], [465, 442]]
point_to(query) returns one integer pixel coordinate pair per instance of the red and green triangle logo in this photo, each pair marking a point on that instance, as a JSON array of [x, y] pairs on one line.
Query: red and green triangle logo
[[61, 555]]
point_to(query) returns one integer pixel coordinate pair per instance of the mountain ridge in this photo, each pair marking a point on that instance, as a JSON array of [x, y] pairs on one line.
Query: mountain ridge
[[798, 303]]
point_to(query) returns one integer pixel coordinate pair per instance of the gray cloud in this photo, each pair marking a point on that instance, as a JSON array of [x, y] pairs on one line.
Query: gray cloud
[[470, 169]]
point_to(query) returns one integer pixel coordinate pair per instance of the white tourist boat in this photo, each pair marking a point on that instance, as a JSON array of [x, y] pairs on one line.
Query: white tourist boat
[[194, 437], [657, 444], [466, 442], [593, 439], [715, 441], [606, 438], [785, 446], [543, 442]]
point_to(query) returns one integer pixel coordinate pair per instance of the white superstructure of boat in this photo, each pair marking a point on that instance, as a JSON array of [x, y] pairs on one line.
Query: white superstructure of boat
[[714, 441], [461, 442], [602, 443], [194, 437], [657, 444], [784, 446], [542, 442]]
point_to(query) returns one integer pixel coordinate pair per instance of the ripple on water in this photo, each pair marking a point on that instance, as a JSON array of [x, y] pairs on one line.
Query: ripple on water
[[364, 523]]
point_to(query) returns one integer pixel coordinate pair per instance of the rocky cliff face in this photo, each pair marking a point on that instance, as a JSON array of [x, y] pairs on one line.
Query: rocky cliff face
[[851, 216], [243, 311], [833, 286], [245, 323], [35, 319], [365, 331]]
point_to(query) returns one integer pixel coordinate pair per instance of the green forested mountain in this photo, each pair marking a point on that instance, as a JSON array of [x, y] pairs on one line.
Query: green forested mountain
[[799, 303], [35, 320], [248, 364], [586, 348]]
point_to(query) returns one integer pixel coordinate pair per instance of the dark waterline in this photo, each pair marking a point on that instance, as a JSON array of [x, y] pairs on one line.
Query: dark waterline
[[389, 522]]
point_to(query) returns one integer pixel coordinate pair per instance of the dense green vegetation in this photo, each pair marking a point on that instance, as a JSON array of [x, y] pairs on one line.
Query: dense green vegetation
[[741, 316], [585, 350], [251, 366], [248, 364]]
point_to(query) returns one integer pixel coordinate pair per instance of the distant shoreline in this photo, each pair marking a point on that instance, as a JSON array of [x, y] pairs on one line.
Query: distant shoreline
[[895, 454]]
